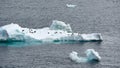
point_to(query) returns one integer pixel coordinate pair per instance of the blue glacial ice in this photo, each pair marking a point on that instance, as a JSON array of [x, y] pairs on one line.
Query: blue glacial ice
[[58, 31], [3, 34], [91, 56]]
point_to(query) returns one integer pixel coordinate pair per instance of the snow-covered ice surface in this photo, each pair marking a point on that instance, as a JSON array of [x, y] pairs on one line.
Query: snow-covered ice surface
[[57, 32], [91, 56]]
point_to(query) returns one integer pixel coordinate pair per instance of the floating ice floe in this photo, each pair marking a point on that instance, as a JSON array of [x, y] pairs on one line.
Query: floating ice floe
[[92, 56], [70, 5], [58, 31], [74, 57]]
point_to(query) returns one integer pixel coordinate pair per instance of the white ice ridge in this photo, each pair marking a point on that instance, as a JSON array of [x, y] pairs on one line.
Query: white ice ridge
[[91, 56], [58, 31]]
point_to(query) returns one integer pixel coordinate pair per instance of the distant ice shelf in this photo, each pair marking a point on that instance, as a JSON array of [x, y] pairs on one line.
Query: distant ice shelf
[[58, 31]]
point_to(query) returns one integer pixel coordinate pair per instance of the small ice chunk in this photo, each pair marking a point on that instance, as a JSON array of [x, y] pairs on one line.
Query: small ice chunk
[[74, 57], [92, 55], [71, 5]]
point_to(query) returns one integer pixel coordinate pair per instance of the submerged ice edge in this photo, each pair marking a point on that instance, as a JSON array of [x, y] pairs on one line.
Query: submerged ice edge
[[57, 32]]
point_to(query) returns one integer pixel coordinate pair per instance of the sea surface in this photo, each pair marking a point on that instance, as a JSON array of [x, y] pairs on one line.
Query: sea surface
[[89, 16]]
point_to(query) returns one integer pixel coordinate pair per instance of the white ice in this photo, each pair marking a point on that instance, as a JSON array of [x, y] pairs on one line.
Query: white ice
[[71, 5], [60, 25], [91, 55], [74, 57], [57, 31]]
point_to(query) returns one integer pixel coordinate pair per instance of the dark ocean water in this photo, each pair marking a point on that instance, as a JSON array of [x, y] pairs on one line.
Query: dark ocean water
[[90, 16]]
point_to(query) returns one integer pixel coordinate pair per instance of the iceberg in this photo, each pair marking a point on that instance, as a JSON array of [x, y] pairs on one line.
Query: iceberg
[[58, 31], [91, 56]]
